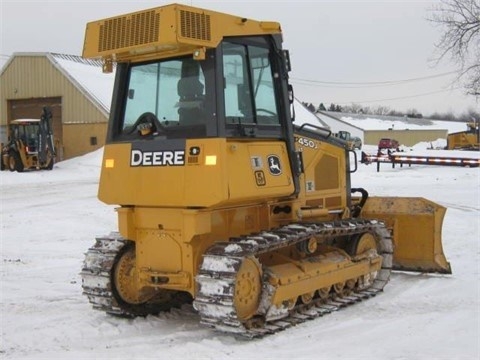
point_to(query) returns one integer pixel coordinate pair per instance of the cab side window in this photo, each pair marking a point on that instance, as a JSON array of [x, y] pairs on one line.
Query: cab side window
[[249, 87]]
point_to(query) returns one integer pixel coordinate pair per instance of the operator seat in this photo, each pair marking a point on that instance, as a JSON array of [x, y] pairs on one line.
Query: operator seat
[[190, 91]]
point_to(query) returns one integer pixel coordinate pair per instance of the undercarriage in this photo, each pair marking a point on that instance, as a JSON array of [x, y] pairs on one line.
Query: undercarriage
[[258, 284]]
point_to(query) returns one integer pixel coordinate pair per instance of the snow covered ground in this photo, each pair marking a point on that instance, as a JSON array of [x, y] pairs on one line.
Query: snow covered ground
[[50, 218]]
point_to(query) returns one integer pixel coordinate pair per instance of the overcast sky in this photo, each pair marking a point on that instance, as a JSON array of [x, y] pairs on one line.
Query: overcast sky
[[340, 50]]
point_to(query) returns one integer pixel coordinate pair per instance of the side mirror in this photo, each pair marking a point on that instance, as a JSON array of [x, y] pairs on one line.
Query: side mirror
[[352, 161], [286, 60]]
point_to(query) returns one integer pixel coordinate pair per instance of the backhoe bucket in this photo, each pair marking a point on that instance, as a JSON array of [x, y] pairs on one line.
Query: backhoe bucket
[[416, 226]]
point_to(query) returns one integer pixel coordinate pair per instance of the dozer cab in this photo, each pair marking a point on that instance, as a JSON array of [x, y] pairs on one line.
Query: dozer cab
[[30, 144], [223, 200]]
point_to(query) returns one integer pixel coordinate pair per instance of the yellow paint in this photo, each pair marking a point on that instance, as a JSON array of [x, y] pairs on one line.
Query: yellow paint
[[175, 23], [416, 225], [173, 212]]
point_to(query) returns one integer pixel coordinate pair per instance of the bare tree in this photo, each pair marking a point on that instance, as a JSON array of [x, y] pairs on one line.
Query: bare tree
[[460, 21], [353, 108], [381, 110]]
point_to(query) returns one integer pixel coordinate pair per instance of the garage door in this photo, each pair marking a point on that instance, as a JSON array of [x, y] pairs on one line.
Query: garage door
[[32, 109]]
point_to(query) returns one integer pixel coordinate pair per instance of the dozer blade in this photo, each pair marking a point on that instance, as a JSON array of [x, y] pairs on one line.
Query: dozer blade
[[416, 225]]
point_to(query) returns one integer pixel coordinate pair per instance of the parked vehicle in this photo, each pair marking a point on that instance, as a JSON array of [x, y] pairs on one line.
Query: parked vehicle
[[351, 142], [356, 143], [30, 144], [465, 140], [387, 143]]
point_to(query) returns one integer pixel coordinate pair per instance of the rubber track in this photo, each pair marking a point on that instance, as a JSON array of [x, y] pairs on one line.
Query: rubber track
[[215, 297]]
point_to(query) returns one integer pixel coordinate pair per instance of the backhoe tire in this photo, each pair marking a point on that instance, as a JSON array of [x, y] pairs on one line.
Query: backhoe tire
[[15, 162]]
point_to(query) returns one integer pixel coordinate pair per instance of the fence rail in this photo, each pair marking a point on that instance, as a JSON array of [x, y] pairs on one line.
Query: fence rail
[[468, 159]]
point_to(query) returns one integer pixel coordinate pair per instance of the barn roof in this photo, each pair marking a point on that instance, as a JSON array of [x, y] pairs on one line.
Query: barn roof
[[85, 74]]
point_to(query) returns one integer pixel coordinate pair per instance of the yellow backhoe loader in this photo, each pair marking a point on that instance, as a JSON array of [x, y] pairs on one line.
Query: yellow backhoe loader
[[223, 200], [30, 144]]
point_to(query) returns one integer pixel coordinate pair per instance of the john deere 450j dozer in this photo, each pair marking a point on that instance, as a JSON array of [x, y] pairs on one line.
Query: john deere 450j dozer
[[223, 200]]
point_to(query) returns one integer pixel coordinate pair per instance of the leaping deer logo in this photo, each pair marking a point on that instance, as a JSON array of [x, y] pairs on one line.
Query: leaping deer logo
[[274, 165]]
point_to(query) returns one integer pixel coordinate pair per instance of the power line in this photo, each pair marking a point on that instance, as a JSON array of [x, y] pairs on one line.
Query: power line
[[336, 84], [398, 98]]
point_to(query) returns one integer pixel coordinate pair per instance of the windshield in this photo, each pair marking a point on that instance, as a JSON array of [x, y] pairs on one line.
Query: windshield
[[28, 134], [165, 95]]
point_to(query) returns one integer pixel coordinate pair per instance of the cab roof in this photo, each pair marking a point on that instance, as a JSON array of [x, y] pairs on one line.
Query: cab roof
[[24, 121]]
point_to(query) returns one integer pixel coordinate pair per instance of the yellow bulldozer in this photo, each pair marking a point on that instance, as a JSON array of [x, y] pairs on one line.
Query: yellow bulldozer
[[465, 140], [223, 201]]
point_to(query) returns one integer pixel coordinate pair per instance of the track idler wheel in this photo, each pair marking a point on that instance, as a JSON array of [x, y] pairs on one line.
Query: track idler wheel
[[125, 279], [364, 247], [248, 288]]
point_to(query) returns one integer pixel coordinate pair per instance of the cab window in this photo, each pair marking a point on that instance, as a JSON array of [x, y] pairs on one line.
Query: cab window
[[166, 98], [249, 87]]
